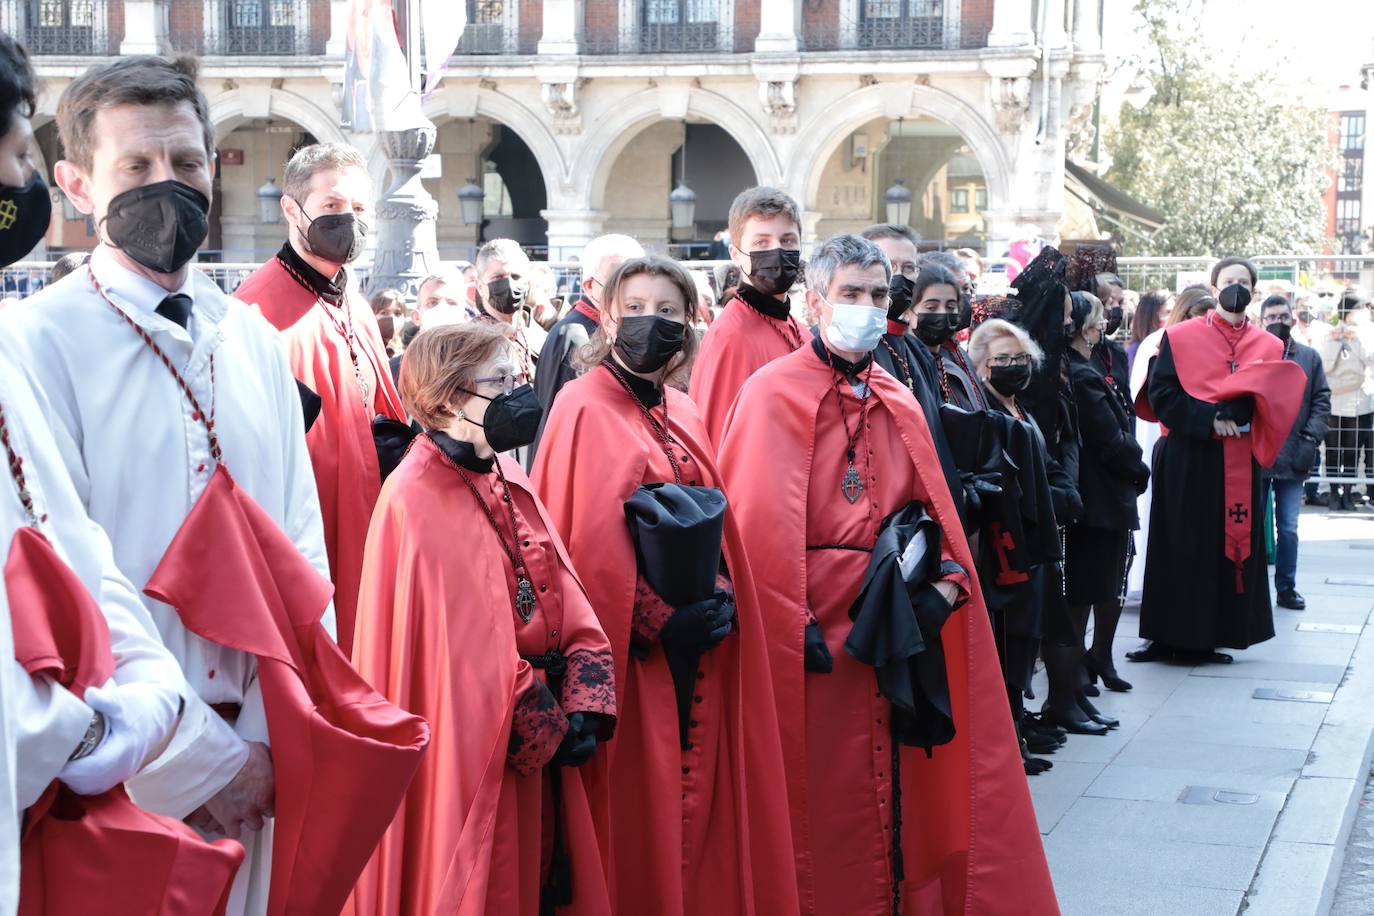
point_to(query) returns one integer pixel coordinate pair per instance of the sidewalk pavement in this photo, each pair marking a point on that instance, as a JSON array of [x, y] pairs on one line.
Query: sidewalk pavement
[[1207, 799]]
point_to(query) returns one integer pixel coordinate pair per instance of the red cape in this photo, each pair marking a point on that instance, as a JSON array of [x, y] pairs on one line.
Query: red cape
[[975, 842], [1202, 358], [342, 755], [732, 854], [342, 451], [737, 344], [81, 852], [437, 630]]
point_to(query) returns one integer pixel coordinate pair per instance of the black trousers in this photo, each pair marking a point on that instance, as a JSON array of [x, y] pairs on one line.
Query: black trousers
[[1348, 440]]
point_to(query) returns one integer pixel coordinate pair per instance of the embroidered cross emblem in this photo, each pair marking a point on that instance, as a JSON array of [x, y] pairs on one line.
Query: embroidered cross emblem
[[1238, 513]]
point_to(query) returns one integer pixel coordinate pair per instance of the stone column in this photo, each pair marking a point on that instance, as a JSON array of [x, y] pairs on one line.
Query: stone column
[[407, 250], [571, 230], [337, 44], [1011, 24], [143, 27], [778, 27], [1087, 29], [562, 27]]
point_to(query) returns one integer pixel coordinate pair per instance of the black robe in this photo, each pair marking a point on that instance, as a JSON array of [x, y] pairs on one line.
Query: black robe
[[899, 353], [1190, 600], [556, 366]]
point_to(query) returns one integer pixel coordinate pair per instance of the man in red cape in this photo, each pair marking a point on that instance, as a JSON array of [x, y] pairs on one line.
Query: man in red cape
[[1225, 399], [820, 448], [756, 326], [334, 347]]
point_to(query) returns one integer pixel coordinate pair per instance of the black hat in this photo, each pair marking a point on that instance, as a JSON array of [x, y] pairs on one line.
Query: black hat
[[677, 533]]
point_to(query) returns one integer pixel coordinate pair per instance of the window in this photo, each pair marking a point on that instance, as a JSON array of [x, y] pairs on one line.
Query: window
[[1352, 130], [958, 201], [902, 24], [680, 25], [486, 28], [980, 199], [62, 27], [676, 12]]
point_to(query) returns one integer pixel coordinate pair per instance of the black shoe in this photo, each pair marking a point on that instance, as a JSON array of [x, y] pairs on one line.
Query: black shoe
[[1091, 688], [1042, 744], [1319, 499], [1110, 679], [1092, 712], [1034, 766], [1292, 600], [1032, 723], [1152, 652], [1074, 722]]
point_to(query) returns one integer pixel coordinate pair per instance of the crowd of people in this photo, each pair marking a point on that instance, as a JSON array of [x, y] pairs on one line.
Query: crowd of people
[[667, 593]]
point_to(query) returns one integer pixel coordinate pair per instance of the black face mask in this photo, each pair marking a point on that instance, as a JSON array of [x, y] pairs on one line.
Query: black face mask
[[1114, 317], [505, 297], [934, 328], [647, 342], [1280, 330], [898, 297], [158, 225], [337, 237], [24, 216], [1234, 298], [772, 272], [1008, 380], [512, 419]]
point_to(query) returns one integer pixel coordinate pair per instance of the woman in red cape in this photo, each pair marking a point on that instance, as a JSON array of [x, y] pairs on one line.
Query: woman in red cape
[[969, 839], [471, 616], [695, 826]]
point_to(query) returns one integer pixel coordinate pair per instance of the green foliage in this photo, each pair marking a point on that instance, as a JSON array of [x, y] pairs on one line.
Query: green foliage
[[1236, 162]]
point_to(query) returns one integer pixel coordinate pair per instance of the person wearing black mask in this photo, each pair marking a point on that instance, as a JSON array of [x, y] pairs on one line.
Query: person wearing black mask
[[935, 319], [757, 326], [1111, 475], [157, 377], [1299, 453], [614, 430], [335, 348]]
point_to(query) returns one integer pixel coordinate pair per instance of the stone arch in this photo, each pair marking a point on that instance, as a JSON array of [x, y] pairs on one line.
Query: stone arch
[[232, 109], [818, 140], [592, 167], [464, 101]]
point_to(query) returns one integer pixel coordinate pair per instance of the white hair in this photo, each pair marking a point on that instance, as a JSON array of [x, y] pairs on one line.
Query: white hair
[[605, 246], [507, 251], [996, 329]]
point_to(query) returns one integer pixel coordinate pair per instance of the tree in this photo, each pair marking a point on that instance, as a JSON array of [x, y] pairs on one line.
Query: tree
[[1236, 161]]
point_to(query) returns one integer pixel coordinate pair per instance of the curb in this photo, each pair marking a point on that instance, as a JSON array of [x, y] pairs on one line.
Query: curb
[[1298, 873]]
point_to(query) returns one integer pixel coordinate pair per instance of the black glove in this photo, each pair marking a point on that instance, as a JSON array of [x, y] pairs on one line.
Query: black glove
[[701, 625], [1240, 411], [1142, 477], [978, 486], [580, 742], [1304, 456], [816, 656]]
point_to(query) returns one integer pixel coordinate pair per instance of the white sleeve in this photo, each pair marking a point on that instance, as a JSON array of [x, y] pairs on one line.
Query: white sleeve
[[49, 723]]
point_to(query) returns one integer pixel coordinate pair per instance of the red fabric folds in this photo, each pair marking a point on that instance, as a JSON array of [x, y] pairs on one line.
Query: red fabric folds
[[342, 451], [80, 854], [343, 756]]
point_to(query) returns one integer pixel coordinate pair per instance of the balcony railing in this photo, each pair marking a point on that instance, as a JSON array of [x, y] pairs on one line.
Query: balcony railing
[[82, 28], [249, 28], [658, 26], [493, 28], [896, 25]]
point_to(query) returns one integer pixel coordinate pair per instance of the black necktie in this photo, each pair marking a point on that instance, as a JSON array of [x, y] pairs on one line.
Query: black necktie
[[176, 307]]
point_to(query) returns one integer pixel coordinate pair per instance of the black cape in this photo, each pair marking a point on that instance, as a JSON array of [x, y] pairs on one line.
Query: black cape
[[556, 367], [1190, 600]]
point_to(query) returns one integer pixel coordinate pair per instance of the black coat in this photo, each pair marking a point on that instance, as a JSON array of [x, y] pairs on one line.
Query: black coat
[[556, 366], [1299, 450], [1111, 472]]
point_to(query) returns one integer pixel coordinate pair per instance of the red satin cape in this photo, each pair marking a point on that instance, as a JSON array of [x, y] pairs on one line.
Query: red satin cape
[[737, 344], [342, 451], [342, 755], [971, 845], [597, 449], [84, 854], [435, 633]]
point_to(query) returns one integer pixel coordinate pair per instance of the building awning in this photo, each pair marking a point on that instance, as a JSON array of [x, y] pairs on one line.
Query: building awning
[[1103, 196]]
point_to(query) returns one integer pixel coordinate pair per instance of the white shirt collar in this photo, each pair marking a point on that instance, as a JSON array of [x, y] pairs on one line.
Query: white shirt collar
[[129, 288]]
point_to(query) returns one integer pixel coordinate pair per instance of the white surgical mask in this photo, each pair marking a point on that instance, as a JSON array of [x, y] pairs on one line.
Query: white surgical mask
[[856, 328]]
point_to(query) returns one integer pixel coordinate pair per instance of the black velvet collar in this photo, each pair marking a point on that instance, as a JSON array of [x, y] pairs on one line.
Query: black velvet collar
[[839, 363], [462, 453], [773, 308], [312, 279]]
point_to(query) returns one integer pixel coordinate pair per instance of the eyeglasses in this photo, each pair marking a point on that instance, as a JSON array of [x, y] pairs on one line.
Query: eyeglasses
[[508, 383], [1003, 359]]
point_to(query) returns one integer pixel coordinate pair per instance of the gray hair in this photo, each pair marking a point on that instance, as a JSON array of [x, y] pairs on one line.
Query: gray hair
[[842, 251], [946, 259], [605, 246], [317, 157], [507, 251]]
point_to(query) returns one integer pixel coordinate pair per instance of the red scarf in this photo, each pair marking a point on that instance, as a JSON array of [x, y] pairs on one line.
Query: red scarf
[[587, 309]]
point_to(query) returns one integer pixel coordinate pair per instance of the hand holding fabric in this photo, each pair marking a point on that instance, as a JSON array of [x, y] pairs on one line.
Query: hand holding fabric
[[580, 741], [248, 798], [701, 625], [137, 718], [979, 486]]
